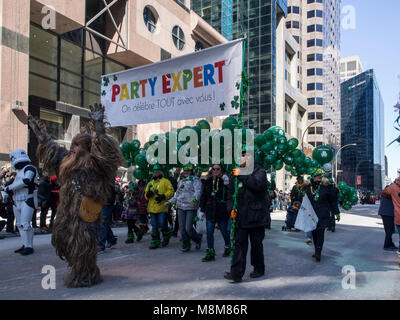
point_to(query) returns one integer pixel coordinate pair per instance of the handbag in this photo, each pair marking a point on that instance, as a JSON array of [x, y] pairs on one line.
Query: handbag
[[307, 219]]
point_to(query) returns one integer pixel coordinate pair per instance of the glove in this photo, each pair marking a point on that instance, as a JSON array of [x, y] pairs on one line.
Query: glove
[[160, 198], [149, 194], [338, 217], [236, 171], [8, 191], [225, 179]]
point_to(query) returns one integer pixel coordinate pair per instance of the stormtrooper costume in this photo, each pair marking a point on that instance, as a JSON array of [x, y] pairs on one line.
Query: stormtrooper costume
[[24, 194]]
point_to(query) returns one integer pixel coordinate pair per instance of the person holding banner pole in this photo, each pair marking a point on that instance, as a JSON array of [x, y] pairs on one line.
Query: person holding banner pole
[[323, 198]]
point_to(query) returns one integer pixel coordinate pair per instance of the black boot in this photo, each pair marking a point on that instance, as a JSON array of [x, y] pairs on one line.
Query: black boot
[[27, 251], [20, 249]]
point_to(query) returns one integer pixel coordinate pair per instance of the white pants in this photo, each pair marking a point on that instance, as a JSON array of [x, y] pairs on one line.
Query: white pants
[[23, 217]]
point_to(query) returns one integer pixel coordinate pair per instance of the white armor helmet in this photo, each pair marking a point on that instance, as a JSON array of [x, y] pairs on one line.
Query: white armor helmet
[[18, 156]]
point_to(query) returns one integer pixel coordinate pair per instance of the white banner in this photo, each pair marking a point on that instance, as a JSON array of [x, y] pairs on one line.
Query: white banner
[[187, 87]]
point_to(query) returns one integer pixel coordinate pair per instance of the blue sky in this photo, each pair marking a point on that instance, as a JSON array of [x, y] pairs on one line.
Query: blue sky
[[376, 40]]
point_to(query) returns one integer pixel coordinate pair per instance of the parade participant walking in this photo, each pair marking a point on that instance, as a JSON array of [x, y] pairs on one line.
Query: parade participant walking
[[44, 197], [213, 204], [85, 175], [107, 236], [393, 192], [386, 211], [186, 200], [23, 194], [158, 191], [323, 198], [142, 213], [250, 219], [130, 213]]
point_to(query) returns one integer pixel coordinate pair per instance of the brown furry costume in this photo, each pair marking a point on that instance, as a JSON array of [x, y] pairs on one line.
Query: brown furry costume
[[87, 170]]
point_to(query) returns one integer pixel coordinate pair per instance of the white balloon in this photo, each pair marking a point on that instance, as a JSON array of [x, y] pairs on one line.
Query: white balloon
[[327, 167]]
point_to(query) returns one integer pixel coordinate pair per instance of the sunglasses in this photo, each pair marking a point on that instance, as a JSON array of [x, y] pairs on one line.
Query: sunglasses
[[216, 169]]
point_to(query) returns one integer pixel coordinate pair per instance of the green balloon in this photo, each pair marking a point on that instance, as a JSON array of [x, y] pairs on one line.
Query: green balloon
[[288, 167], [342, 185], [140, 174], [141, 161], [346, 206], [323, 154], [340, 196], [307, 162], [310, 170], [259, 157], [298, 162], [315, 163], [198, 130], [288, 160], [203, 124], [295, 153], [259, 140], [278, 165], [282, 149], [269, 160], [294, 172], [277, 131], [229, 123], [135, 144], [126, 147], [267, 147], [293, 143], [354, 199], [281, 140], [269, 135]]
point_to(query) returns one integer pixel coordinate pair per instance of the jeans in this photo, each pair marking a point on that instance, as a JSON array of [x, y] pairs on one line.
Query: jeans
[[309, 235], [223, 227], [106, 234], [188, 232], [158, 220]]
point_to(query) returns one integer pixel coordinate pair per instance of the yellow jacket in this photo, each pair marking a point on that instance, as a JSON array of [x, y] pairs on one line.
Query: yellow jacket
[[163, 186]]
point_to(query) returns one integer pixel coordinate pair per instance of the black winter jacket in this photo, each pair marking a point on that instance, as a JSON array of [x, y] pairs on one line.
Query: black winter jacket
[[214, 206], [326, 205], [252, 203]]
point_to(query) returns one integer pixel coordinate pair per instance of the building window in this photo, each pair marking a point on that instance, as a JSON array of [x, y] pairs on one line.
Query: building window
[[311, 28], [319, 115], [310, 57], [319, 56], [288, 24], [311, 72], [311, 43], [54, 122], [150, 19], [311, 130], [319, 72], [178, 37], [319, 13], [311, 14], [319, 42], [311, 101], [311, 115], [319, 27], [296, 25], [310, 86], [296, 9], [320, 101], [319, 86]]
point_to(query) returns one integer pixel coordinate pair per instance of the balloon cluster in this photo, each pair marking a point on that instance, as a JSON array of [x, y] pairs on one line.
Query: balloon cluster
[[347, 196], [273, 150]]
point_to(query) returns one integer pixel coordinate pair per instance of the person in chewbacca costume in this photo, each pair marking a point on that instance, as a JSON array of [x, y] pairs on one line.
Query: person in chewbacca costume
[[85, 174]]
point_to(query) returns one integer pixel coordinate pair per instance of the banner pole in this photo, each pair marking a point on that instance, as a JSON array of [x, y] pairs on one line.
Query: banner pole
[[240, 126]]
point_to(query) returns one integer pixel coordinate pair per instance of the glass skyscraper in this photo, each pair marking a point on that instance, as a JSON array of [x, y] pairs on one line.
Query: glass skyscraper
[[257, 20], [362, 123]]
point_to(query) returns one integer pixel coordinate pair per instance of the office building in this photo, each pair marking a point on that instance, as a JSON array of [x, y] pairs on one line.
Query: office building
[[362, 123]]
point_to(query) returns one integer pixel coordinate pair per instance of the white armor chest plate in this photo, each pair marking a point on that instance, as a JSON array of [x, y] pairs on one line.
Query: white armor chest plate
[[22, 192]]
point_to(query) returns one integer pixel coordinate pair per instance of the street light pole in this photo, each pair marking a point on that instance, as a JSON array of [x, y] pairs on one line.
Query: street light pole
[[337, 153], [304, 133]]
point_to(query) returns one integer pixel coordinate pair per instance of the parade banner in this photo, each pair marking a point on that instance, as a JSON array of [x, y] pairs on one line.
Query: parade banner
[[197, 85]]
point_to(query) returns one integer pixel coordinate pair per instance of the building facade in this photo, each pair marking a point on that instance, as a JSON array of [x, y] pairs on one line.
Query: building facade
[[256, 20], [53, 53], [315, 25], [350, 67], [362, 123]]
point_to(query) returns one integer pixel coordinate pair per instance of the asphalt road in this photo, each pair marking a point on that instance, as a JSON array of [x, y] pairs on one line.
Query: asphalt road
[[132, 271]]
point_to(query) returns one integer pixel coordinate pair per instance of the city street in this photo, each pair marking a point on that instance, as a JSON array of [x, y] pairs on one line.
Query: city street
[[135, 272]]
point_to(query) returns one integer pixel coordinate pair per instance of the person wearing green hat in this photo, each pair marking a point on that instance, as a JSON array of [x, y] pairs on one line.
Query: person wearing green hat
[[323, 198], [186, 200], [158, 191]]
